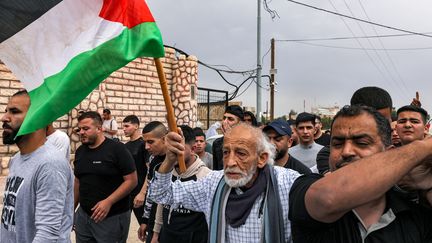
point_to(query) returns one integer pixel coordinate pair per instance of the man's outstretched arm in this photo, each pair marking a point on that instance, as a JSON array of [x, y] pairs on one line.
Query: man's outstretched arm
[[363, 181]]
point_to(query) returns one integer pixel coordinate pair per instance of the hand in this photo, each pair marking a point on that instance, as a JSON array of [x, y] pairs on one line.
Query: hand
[[155, 238], [142, 232], [138, 200], [175, 145], [101, 210], [419, 178], [225, 127], [416, 101]]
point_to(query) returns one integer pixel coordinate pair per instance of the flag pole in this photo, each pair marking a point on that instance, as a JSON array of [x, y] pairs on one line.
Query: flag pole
[[169, 108]]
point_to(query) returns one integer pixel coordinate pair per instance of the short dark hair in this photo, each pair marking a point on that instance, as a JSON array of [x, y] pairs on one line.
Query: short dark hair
[[383, 126], [199, 132], [21, 92], [413, 108], [188, 134], [158, 126], [235, 110], [106, 111], [95, 116], [317, 117], [305, 117], [375, 97], [132, 119], [254, 120]]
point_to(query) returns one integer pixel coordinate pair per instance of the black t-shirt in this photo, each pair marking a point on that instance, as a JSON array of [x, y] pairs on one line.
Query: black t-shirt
[[295, 164], [140, 156], [324, 140], [413, 223], [323, 159], [217, 154], [100, 172], [183, 225]]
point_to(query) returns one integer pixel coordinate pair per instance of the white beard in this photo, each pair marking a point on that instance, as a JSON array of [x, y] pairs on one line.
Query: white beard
[[245, 179]]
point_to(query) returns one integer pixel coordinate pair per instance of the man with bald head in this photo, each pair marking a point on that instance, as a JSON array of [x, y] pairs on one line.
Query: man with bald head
[[244, 202]]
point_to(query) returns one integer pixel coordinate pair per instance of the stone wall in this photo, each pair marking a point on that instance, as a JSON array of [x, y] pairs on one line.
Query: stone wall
[[133, 89]]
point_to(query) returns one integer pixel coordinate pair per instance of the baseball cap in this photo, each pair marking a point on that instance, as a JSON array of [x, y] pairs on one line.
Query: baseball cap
[[280, 126]]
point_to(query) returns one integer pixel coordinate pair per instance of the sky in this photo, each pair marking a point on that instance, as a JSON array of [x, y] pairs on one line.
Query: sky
[[224, 32]]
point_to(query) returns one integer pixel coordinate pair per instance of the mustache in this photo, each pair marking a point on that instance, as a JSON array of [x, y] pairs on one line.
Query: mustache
[[234, 170], [5, 125], [341, 163]]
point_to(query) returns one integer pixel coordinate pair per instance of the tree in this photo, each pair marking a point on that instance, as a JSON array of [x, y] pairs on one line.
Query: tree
[[326, 123]]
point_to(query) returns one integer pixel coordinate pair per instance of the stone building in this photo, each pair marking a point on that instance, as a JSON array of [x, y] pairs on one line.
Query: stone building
[[133, 89]]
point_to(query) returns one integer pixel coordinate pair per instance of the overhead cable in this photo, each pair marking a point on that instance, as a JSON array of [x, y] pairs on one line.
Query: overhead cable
[[369, 49], [361, 20], [346, 37]]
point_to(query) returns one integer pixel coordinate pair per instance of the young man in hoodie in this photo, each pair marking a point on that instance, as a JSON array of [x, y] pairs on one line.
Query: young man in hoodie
[[182, 224], [154, 137]]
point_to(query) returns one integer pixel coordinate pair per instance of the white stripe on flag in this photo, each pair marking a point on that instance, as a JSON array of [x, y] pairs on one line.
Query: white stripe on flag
[[44, 47]]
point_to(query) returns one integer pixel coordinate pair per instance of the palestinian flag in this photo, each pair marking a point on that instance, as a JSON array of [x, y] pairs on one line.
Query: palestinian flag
[[62, 49]]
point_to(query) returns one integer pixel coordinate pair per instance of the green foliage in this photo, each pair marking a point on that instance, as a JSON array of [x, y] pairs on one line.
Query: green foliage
[[326, 123]]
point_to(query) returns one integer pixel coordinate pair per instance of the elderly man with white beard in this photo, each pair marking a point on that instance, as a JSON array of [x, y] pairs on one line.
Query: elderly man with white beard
[[246, 202]]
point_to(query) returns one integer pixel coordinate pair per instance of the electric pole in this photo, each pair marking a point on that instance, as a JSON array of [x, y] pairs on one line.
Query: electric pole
[[258, 84], [272, 78]]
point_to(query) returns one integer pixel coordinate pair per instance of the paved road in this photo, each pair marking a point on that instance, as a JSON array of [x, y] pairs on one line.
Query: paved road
[[133, 238]]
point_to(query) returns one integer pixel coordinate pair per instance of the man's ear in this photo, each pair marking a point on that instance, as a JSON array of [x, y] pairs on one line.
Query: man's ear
[[290, 141], [262, 160]]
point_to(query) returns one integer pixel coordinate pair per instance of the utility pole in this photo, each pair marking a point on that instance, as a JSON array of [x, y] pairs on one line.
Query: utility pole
[[258, 85], [272, 78]]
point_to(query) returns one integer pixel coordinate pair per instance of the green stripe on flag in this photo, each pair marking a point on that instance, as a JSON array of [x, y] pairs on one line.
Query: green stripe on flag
[[63, 91]]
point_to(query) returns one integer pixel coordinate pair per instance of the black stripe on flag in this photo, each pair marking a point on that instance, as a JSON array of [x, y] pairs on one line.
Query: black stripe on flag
[[15, 15]]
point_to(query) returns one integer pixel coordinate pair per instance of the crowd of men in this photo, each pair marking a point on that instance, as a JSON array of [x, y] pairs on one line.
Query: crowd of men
[[369, 181]]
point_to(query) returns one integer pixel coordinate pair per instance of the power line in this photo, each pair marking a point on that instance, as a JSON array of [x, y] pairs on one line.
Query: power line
[[251, 82], [219, 72], [369, 49], [361, 20], [380, 59], [360, 44], [363, 48], [228, 70], [273, 13], [385, 50], [346, 37]]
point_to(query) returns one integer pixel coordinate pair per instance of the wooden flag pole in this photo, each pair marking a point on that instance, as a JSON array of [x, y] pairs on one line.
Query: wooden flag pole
[[169, 108]]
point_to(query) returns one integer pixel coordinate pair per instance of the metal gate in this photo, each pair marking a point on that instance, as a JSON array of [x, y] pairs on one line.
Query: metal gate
[[211, 106]]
